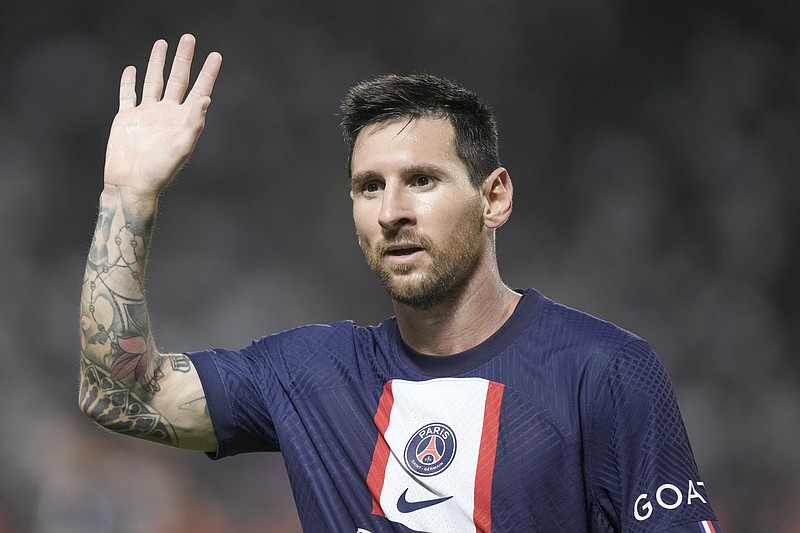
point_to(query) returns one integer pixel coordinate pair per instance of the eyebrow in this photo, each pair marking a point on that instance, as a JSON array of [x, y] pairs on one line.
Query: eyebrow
[[366, 175], [363, 177]]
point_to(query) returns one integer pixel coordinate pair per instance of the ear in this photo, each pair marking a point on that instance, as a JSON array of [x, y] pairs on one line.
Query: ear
[[498, 193]]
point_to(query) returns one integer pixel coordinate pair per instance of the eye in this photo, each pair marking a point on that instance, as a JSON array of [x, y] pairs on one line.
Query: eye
[[371, 187], [422, 181]]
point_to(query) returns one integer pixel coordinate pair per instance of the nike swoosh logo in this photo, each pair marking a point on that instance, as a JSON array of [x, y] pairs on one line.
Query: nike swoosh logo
[[405, 506]]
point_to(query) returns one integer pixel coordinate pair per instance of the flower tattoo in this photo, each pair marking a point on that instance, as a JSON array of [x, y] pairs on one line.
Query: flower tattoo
[[133, 360]]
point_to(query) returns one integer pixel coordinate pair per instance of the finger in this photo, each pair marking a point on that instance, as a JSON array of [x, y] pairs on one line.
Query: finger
[[204, 85], [154, 77], [181, 67], [127, 88]]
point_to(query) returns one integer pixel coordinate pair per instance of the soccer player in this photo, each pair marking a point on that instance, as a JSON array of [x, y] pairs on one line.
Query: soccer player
[[475, 408]]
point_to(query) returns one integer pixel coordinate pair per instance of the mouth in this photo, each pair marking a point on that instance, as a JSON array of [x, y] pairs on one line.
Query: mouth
[[402, 250], [405, 250]]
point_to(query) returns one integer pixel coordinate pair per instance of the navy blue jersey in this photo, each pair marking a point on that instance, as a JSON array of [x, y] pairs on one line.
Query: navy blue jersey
[[557, 422]]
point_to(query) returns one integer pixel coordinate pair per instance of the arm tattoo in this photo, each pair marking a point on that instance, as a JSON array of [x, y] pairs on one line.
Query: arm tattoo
[[180, 363], [119, 362], [114, 306], [119, 409]]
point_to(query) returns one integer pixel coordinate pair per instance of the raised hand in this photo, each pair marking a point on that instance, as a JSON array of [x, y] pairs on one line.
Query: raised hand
[[149, 142]]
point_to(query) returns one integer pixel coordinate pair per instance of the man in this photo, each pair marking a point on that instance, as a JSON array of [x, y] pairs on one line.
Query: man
[[475, 408]]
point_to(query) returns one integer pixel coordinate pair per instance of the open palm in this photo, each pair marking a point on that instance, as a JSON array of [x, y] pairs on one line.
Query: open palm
[[149, 142]]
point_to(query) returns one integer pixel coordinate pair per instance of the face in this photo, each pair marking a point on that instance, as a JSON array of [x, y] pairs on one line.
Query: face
[[418, 218]]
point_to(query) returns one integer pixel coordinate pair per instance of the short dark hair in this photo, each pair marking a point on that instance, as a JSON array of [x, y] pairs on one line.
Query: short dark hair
[[391, 97]]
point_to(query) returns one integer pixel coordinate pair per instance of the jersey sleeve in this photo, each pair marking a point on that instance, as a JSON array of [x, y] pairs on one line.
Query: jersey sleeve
[[238, 385], [252, 392], [641, 470]]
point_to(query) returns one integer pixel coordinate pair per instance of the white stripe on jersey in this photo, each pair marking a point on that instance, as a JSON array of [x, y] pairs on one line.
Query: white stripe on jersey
[[454, 409]]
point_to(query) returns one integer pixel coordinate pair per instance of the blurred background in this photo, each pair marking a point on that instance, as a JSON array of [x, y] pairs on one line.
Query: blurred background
[[654, 152]]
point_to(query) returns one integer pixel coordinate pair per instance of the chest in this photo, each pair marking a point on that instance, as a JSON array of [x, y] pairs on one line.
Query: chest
[[448, 451]]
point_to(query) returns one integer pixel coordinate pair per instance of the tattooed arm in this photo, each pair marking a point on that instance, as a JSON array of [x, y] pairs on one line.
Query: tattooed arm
[[126, 385]]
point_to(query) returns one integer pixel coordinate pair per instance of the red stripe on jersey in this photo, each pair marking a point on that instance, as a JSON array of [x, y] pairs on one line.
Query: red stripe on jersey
[[482, 512], [380, 457]]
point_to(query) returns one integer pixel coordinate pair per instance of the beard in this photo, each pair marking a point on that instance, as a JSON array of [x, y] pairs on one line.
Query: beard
[[449, 268]]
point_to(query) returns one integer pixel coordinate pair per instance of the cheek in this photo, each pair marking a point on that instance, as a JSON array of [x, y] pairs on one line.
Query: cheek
[[457, 217], [361, 221], [426, 206], [360, 215]]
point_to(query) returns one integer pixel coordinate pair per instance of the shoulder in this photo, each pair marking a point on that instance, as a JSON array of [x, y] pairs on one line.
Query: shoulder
[[324, 353], [310, 349], [334, 340], [609, 356], [310, 336], [611, 368], [585, 329], [565, 354], [580, 337]]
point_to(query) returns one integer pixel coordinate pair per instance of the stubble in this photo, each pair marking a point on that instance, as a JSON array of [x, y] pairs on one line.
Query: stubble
[[449, 268]]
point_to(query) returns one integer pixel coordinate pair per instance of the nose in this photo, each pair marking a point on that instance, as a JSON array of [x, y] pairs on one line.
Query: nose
[[396, 208]]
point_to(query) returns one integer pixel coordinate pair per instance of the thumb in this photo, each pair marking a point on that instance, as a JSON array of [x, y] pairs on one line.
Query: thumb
[[200, 107], [199, 111], [204, 102]]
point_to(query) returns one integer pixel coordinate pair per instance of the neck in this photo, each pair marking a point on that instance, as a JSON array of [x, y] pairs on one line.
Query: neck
[[461, 322]]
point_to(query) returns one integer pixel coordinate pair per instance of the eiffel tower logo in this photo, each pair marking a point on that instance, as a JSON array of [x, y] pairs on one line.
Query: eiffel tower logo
[[430, 454]]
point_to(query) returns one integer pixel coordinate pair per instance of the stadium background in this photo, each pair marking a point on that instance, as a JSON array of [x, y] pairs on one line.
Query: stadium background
[[654, 151]]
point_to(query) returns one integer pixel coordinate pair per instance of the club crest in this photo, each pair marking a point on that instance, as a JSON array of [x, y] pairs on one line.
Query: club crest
[[430, 450]]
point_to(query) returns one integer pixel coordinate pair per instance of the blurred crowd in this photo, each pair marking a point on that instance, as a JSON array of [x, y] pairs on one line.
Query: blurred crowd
[[654, 153]]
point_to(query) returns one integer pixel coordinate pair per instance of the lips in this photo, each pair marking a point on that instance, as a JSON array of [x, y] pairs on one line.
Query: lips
[[406, 250], [399, 250]]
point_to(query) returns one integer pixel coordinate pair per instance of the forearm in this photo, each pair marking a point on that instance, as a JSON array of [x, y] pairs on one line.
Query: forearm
[[119, 361]]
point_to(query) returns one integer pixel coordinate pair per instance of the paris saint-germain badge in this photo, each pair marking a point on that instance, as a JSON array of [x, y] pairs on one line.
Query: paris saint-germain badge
[[431, 449]]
